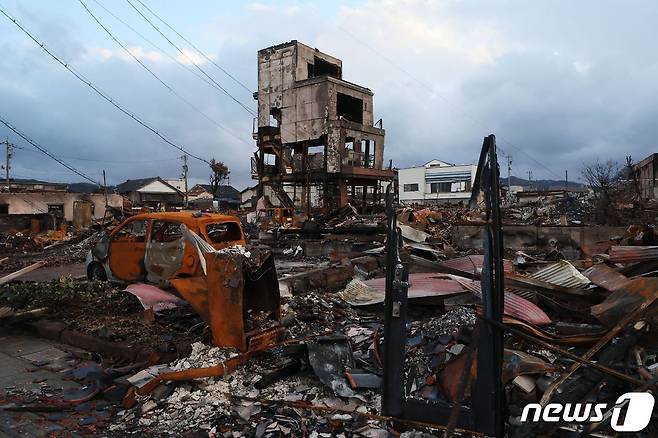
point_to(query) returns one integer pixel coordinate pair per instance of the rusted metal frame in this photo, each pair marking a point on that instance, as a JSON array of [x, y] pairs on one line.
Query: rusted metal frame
[[628, 319], [310, 407], [477, 181], [593, 427], [395, 311], [464, 381], [532, 330], [488, 401], [563, 352], [394, 401], [488, 404]]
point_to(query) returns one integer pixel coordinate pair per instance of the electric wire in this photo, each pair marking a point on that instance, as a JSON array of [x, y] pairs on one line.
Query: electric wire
[[157, 47], [97, 160], [433, 90], [97, 90], [46, 152], [195, 48], [246, 108], [155, 76]]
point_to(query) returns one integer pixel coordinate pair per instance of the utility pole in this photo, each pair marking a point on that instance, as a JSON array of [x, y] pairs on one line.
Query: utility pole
[[530, 179], [10, 155], [184, 158], [566, 180], [509, 177], [105, 189]]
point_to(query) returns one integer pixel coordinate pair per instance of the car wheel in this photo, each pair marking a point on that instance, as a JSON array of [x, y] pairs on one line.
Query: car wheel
[[96, 272]]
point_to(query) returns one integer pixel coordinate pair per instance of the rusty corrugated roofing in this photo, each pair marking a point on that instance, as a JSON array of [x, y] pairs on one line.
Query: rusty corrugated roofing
[[631, 254], [473, 263], [606, 277], [514, 305], [562, 273], [423, 285]]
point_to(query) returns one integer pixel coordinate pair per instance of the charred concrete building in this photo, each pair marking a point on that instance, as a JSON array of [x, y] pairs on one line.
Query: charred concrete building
[[317, 143]]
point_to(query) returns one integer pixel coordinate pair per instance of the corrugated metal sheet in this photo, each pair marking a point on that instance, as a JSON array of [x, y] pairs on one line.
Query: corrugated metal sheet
[[562, 274], [423, 285], [514, 305], [472, 263], [631, 254], [606, 277]]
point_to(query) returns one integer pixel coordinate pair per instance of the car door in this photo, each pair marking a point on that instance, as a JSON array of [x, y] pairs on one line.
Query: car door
[[127, 247], [165, 251]]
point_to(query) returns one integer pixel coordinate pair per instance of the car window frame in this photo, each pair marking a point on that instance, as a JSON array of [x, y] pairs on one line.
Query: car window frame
[[154, 221], [117, 231], [206, 235]]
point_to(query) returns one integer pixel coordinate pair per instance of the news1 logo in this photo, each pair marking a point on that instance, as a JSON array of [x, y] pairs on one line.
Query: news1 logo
[[638, 407]]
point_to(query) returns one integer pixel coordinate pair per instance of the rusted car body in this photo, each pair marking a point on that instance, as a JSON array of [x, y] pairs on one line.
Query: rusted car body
[[151, 247], [202, 257]]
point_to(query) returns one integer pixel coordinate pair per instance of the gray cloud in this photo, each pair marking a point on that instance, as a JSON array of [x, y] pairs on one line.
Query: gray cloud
[[566, 82]]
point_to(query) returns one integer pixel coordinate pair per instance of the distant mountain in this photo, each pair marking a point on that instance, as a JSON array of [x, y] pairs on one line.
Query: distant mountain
[[540, 184], [83, 187]]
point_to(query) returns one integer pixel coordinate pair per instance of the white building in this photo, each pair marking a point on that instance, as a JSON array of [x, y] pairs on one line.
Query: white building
[[436, 181]]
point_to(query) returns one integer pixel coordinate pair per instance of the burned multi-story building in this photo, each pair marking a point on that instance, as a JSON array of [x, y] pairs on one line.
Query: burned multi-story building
[[317, 143]]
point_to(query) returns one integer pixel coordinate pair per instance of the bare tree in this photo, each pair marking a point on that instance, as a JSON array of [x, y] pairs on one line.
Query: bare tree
[[607, 180], [603, 178], [219, 173]]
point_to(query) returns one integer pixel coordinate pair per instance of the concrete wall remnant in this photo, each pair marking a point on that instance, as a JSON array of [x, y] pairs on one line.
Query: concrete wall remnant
[[314, 129]]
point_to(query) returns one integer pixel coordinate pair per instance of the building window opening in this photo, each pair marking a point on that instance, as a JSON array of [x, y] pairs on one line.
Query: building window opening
[[320, 67], [368, 153], [410, 187], [56, 209], [275, 117], [350, 108], [316, 157]]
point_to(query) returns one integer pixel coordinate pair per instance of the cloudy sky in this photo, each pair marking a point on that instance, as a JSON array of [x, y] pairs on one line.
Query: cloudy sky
[[560, 83]]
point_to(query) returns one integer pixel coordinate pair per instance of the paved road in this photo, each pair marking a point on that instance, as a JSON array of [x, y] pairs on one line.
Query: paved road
[[54, 272], [19, 356]]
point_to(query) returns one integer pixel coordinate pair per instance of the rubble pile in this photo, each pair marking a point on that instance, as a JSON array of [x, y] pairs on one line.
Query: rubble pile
[[576, 330], [562, 208], [70, 250], [16, 243], [102, 310], [437, 222]]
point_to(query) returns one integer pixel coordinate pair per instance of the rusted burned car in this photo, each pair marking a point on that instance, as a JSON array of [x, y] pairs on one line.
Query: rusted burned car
[[151, 247], [201, 256]]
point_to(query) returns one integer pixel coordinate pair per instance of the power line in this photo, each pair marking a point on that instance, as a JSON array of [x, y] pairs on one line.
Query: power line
[[87, 82], [432, 89], [195, 47], [246, 108], [46, 152], [249, 110], [157, 47], [96, 160], [156, 77]]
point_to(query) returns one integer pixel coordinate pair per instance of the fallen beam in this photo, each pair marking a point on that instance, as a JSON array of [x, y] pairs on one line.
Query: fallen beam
[[554, 349], [628, 319], [21, 272]]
